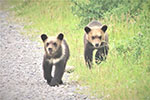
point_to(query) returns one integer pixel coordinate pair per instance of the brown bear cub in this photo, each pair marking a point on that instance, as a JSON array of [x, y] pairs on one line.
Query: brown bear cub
[[56, 54], [95, 37]]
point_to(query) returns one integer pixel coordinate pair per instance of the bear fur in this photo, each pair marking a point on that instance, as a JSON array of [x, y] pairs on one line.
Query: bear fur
[[56, 54], [95, 37]]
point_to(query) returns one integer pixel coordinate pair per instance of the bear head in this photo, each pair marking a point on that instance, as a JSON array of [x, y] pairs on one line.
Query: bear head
[[52, 44], [96, 35]]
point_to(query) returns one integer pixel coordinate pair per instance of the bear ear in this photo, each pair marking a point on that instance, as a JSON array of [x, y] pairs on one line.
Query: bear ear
[[44, 37], [87, 29], [60, 36], [104, 28]]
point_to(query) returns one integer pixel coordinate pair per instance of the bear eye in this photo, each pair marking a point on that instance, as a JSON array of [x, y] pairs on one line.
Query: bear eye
[[55, 44], [93, 37], [47, 44], [100, 37]]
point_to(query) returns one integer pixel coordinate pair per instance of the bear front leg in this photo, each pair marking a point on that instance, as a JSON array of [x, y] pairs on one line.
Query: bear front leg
[[47, 69], [101, 54], [59, 71], [88, 56]]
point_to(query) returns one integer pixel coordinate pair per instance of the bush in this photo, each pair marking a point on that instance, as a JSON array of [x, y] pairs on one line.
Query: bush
[[95, 9]]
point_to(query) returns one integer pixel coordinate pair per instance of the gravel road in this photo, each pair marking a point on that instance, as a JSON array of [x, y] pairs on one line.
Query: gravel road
[[21, 75]]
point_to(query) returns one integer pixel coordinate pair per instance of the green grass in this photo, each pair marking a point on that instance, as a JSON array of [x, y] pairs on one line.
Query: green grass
[[121, 76]]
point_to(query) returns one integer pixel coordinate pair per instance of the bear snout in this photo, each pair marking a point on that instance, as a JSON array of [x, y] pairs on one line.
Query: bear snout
[[50, 50], [96, 45]]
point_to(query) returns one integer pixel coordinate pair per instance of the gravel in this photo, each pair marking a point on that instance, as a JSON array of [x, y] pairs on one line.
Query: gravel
[[21, 74]]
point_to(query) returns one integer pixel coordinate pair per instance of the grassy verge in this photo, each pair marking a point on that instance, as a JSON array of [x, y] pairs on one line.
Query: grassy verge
[[122, 76]]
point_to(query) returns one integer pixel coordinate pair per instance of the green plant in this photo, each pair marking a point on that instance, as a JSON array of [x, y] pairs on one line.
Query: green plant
[[95, 9]]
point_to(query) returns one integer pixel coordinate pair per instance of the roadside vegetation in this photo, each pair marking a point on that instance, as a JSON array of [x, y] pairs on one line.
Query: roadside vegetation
[[125, 74]]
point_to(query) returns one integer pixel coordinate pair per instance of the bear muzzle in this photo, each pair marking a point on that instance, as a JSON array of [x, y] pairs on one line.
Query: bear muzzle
[[50, 50], [97, 45]]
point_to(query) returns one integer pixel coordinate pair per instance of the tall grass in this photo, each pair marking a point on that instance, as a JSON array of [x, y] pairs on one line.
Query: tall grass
[[121, 76]]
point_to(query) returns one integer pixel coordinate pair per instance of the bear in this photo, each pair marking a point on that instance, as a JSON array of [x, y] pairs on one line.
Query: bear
[[56, 54], [95, 38]]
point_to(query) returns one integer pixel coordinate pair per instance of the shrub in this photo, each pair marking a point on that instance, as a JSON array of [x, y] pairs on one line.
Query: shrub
[[95, 9]]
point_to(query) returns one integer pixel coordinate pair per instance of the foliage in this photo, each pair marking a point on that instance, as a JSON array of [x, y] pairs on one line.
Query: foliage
[[95, 9]]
